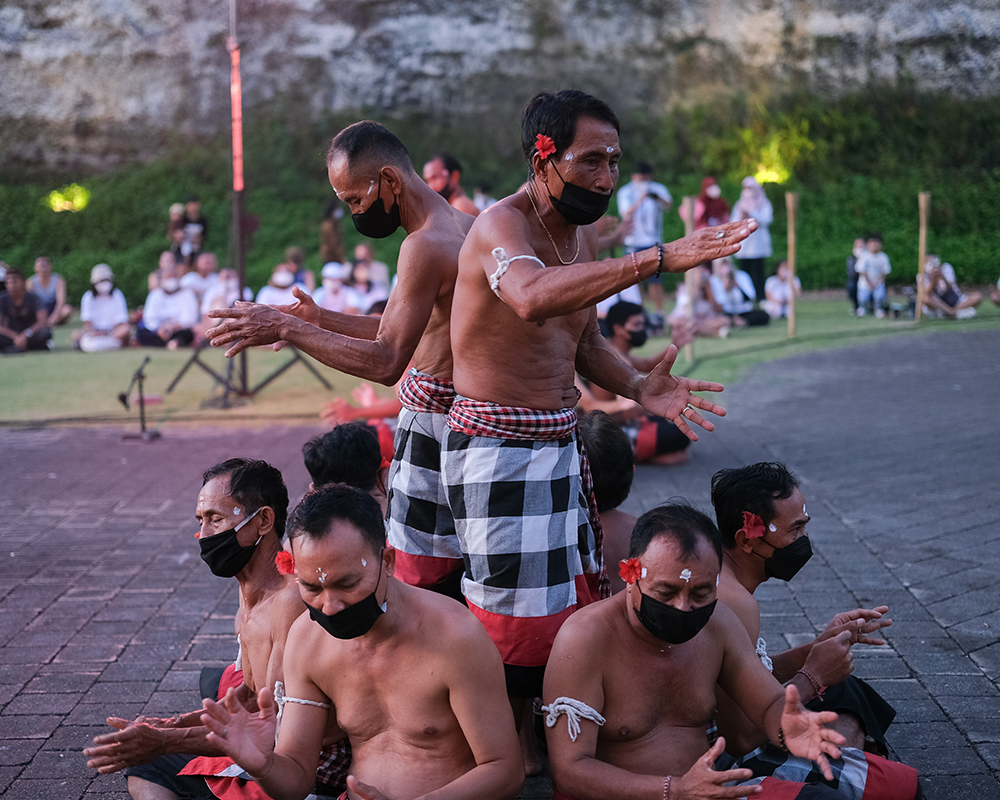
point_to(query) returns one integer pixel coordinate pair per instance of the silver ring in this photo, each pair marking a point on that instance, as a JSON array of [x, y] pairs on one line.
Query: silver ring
[[720, 235], [225, 730], [685, 411]]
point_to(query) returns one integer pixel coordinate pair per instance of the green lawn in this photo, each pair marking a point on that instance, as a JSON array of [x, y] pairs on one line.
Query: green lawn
[[69, 386]]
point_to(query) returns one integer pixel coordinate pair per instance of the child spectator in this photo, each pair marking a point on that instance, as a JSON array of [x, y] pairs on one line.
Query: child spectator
[[348, 454], [943, 297], [852, 273], [297, 257], [872, 266], [612, 467], [104, 313], [195, 230], [334, 294], [22, 324], [50, 289], [278, 290], [170, 313], [203, 277], [778, 289]]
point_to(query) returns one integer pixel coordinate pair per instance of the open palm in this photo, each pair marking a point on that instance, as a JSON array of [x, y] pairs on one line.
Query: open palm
[[248, 739], [670, 396]]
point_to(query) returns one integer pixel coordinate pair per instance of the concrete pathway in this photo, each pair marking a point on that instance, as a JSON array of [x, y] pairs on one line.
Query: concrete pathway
[[105, 607]]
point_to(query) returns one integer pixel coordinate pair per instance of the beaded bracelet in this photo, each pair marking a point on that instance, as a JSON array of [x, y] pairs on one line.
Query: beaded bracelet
[[815, 683], [635, 267], [659, 259], [666, 788], [781, 739]]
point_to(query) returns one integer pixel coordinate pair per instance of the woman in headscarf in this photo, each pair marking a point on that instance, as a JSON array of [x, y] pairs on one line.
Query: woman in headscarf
[[710, 208], [757, 246]]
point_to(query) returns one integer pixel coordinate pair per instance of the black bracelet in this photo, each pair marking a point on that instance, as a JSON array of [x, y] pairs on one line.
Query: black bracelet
[[659, 259]]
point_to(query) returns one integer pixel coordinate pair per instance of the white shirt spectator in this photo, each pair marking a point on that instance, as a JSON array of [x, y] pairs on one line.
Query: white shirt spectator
[[758, 243], [179, 308], [647, 221], [273, 296], [629, 294], [220, 296], [738, 299], [198, 284], [872, 267], [104, 311]]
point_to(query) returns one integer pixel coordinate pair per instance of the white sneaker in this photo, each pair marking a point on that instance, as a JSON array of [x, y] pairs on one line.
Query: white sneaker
[[965, 313], [879, 313], [724, 331], [861, 311]]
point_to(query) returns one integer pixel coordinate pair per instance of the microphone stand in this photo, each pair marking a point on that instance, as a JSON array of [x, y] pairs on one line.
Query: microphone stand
[[137, 378]]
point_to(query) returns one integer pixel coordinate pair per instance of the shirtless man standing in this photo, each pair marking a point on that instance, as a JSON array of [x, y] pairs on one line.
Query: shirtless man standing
[[370, 170], [635, 676], [523, 323], [241, 512], [410, 676], [443, 174]]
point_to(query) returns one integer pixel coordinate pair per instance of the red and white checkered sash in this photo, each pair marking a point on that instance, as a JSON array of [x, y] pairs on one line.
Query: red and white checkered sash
[[423, 392], [477, 418]]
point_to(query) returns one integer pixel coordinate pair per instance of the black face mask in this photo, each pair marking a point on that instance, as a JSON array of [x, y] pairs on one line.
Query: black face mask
[[376, 222], [353, 621], [637, 338], [785, 562], [224, 555], [580, 206], [667, 623]]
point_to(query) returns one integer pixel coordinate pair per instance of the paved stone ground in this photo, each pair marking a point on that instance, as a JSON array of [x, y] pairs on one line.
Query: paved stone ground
[[106, 608]]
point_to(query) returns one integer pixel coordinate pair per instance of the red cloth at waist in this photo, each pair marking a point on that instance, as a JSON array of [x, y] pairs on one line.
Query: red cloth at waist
[[422, 392]]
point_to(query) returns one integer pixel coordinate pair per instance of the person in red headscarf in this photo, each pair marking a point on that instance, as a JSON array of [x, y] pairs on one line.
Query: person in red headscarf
[[710, 208]]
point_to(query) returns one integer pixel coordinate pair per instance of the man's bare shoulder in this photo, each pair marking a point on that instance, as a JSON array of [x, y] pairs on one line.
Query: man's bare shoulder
[[509, 214], [287, 606], [447, 621], [743, 604], [589, 629]]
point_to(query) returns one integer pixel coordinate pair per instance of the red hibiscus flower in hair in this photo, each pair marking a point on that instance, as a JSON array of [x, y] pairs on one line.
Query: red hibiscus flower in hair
[[630, 570], [753, 525], [544, 145], [285, 562]]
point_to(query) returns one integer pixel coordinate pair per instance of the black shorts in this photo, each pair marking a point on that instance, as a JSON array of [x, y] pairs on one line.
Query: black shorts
[[163, 772]]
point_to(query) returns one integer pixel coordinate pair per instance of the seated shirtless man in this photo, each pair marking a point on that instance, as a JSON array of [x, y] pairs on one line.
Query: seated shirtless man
[[762, 519], [370, 170], [409, 675], [241, 512], [635, 676]]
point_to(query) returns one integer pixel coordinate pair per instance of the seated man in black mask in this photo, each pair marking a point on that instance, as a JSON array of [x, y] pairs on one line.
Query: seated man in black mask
[[762, 520], [241, 512]]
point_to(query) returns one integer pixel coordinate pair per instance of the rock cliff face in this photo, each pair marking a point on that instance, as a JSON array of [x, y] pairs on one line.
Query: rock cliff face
[[95, 81]]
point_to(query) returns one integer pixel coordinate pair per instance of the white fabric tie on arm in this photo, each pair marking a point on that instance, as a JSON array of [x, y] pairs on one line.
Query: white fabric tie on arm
[[575, 710], [502, 264], [280, 698], [762, 654]]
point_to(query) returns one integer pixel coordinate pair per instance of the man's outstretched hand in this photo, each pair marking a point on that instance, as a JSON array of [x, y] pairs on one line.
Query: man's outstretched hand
[[806, 734], [134, 743], [706, 245], [248, 739], [669, 396], [246, 325], [860, 623]]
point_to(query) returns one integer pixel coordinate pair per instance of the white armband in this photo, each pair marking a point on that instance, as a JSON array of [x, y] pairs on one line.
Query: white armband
[[574, 710], [502, 264]]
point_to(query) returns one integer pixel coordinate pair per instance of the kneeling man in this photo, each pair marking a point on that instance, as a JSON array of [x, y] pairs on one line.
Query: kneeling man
[[635, 676], [409, 675]]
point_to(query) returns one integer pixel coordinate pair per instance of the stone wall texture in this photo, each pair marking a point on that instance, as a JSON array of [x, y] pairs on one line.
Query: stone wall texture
[[92, 81]]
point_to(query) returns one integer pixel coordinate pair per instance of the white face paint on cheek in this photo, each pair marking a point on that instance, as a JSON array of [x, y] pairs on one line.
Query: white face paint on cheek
[[643, 573], [717, 581], [568, 156], [364, 563], [236, 512], [772, 528], [685, 575]]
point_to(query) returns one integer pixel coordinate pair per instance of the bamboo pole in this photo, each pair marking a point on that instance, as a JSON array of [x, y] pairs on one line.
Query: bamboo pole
[[791, 205], [687, 215], [924, 202]]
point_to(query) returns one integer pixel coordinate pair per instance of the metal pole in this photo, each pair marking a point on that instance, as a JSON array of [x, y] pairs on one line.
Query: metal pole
[[236, 96]]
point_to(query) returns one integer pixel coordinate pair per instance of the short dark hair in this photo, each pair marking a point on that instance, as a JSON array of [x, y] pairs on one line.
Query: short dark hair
[[193, 198], [14, 272], [348, 454], [319, 509], [682, 523], [378, 307], [369, 144], [621, 312], [874, 236], [752, 488], [612, 461], [643, 168], [449, 162], [254, 484], [555, 115]]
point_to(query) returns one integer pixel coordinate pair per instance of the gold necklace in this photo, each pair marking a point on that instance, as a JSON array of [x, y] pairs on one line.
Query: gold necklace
[[575, 255]]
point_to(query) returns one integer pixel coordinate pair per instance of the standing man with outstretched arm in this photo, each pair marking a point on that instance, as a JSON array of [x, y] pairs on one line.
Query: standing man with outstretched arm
[[370, 170], [523, 323]]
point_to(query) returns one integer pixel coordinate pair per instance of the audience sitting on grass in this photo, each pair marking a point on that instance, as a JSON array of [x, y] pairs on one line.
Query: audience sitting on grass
[[50, 289], [335, 294], [279, 290], [223, 294], [708, 318], [203, 277], [104, 314], [655, 440], [734, 291], [22, 322], [872, 267], [167, 259], [369, 290], [350, 454], [170, 313], [943, 297], [612, 466], [778, 289]]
